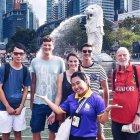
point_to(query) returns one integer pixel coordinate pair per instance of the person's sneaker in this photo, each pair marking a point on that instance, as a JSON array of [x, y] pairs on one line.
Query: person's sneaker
[[128, 129]]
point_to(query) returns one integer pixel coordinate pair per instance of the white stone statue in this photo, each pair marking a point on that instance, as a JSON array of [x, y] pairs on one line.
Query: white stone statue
[[94, 27]]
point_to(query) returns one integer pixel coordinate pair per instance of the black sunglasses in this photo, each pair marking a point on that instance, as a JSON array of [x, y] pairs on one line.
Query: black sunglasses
[[18, 53], [85, 51]]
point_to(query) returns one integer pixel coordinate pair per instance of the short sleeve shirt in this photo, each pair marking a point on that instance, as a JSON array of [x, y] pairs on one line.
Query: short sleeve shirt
[[13, 86], [96, 74], [93, 106], [46, 77]]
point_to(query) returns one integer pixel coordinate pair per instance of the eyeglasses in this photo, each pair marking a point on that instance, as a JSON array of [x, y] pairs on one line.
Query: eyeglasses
[[85, 51], [18, 53]]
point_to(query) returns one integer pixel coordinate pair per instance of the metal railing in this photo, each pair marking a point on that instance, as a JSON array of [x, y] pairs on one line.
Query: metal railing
[[27, 135]]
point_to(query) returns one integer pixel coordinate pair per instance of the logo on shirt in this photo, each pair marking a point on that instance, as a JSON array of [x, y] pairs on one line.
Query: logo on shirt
[[93, 77], [87, 107], [125, 88]]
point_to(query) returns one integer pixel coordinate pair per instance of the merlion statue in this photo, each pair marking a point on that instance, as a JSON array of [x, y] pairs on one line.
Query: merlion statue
[[94, 27]]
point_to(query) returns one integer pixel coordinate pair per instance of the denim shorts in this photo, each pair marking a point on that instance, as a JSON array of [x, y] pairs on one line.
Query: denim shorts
[[38, 118]]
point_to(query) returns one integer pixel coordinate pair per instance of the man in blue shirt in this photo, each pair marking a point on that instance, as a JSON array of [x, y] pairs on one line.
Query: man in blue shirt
[[12, 98]]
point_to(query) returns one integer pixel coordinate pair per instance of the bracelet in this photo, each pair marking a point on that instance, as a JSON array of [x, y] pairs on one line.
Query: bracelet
[[138, 114], [106, 110], [21, 105]]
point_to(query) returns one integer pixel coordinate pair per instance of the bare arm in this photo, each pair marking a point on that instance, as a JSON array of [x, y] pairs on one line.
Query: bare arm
[[136, 121], [104, 85], [104, 118], [9, 109], [33, 85], [59, 89], [58, 98], [52, 105]]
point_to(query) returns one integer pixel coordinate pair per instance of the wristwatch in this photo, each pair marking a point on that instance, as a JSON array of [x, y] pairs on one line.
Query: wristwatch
[[138, 114]]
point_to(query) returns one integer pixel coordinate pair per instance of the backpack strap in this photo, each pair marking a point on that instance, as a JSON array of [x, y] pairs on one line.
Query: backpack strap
[[7, 71], [113, 79], [136, 76]]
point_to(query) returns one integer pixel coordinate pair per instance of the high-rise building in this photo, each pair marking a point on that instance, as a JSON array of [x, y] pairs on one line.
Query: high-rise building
[[49, 10], [73, 7], [107, 5], [18, 18], [132, 5], [55, 11], [62, 9], [12, 21], [135, 5], [9, 5], [108, 9], [119, 8], [86, 3], [2, 11]]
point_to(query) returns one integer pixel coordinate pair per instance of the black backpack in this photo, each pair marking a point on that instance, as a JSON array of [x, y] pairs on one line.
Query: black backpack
[[135, 74], [7, 71]]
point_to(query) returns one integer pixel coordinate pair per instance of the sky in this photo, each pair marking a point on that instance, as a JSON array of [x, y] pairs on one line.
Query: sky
[[39, 8]]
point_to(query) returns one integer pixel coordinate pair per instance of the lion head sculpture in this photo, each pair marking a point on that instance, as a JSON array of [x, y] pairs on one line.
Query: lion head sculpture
[[94, 27]]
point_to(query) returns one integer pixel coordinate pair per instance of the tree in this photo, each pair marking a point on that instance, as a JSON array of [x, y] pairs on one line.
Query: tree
[[131, 24], [108, 39], [25, 37], [126, 37]]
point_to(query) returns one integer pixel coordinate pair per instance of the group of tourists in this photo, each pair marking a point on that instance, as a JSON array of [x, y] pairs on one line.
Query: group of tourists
[[59, 88]]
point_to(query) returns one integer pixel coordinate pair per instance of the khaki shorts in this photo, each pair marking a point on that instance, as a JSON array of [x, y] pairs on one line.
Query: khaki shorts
[[9, 122]]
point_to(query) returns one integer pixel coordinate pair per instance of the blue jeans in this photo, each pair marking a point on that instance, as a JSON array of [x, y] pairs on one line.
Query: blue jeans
[[118, 135], [38, 118]]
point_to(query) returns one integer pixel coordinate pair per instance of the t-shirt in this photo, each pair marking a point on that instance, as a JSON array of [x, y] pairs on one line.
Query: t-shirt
[[96, 74], [93, 106], [13, 86], [126, 95], [46, 77]]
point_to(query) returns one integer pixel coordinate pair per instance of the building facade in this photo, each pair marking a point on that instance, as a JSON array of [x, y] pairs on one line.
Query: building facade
[[85, 3], [62, 9], [20, 17], [49, 10], [2, 11], [73, 7], [108, 9], [9, 5]]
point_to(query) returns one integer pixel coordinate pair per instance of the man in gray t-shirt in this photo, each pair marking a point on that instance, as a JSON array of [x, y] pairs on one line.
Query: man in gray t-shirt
[[44, 71]]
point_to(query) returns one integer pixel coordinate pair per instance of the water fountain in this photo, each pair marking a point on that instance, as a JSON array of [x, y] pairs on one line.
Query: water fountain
[[66, 28]]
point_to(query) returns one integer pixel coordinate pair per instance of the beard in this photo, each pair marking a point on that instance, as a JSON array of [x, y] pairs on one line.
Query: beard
[[125, 63]]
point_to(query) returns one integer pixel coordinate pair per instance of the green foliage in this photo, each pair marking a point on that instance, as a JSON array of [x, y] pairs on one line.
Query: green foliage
[[131, 24], [126, 37], [25, 37], [108, 39]]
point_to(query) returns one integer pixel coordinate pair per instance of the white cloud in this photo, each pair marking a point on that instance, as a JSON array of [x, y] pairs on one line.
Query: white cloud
[[39, 8]]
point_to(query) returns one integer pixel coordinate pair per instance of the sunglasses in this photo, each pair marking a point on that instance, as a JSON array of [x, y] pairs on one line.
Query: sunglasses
[[85, 51], [18, 53]]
